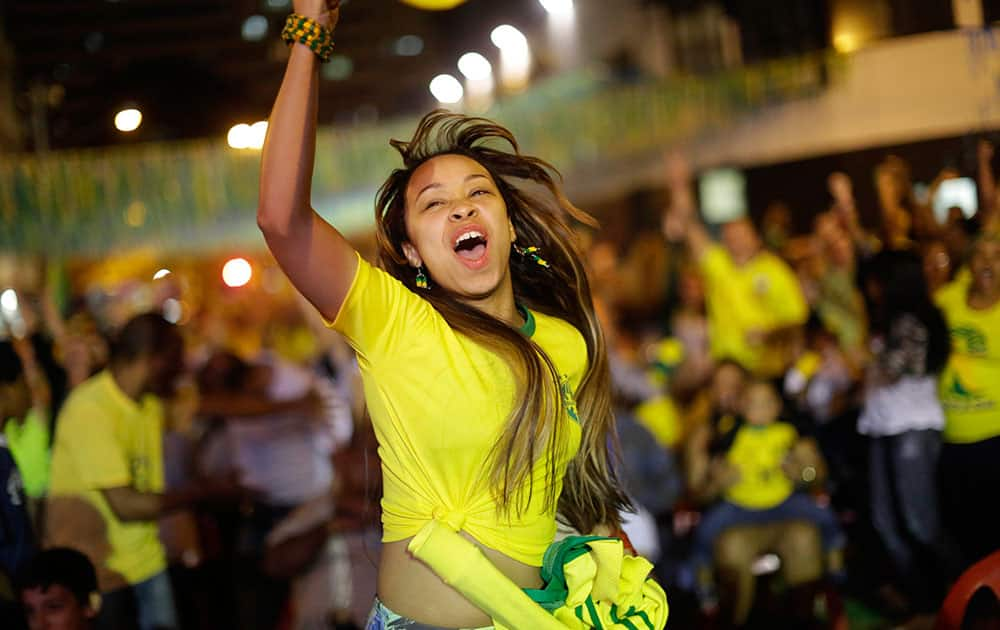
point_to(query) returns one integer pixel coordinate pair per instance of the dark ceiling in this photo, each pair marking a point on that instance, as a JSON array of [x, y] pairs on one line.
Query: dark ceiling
[[187, 67]]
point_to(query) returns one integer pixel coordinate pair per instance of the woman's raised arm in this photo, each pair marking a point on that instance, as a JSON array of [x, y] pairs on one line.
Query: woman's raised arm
[[316, 257]]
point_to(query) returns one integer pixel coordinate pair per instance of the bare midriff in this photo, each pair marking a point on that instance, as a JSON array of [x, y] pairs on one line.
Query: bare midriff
[[408, 587]]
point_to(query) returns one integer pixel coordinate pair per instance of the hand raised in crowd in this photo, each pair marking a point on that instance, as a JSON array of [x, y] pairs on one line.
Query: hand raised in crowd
[[984, 151], [326, 12], [674, 226]]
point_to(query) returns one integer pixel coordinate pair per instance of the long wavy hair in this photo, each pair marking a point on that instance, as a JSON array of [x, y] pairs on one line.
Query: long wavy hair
[[894, 285], [592, 494]]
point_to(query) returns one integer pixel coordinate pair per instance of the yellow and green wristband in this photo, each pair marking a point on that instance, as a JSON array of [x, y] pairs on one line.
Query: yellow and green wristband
[[304, 30]]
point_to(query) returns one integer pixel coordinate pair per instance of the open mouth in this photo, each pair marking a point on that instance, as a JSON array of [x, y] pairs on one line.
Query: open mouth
[[471, 245]]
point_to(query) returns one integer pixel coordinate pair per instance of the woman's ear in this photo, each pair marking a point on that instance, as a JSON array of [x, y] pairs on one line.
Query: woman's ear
[[510, 228], [412, 256]]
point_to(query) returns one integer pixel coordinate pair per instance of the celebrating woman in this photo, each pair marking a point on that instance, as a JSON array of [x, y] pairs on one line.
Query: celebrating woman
[[484, 368]]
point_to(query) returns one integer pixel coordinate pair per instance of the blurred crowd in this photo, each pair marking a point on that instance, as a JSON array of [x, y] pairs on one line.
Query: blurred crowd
[[212, 475], [802, 418], [828, 402]]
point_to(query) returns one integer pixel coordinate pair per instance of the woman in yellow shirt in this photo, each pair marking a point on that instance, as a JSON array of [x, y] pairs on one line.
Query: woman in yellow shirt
[[484, 367], [969, 389]]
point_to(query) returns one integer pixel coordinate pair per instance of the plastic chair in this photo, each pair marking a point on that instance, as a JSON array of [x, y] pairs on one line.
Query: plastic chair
[[983, 574]]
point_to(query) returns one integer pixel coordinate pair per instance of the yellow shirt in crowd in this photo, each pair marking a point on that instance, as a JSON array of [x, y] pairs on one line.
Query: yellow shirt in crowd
[[438, 403], [760, 296], [104, 439], [757, 452], [970, 384]]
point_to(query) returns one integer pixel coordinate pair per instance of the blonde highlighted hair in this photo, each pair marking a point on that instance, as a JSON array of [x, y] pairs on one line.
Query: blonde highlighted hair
[[592, 494]]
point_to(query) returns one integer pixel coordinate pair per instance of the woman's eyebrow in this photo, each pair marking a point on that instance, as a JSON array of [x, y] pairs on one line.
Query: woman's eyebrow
[[438, 184]]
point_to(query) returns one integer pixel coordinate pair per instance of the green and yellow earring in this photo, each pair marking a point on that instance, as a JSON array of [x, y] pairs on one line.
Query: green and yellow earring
[[422, 278], [532, 253]]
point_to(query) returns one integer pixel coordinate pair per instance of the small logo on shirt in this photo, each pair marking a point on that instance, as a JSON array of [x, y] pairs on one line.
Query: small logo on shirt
[[973, 339], [569, 400]]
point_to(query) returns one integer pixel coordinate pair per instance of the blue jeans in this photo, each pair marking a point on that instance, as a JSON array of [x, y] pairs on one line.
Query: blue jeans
[[148, 605], [904, 506], [797, 507], [381, 618]]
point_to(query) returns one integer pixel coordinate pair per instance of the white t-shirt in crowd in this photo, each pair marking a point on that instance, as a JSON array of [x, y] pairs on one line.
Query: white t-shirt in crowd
[[287, 456]]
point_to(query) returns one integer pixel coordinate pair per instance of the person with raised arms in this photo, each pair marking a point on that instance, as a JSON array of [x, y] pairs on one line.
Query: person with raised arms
[[484, 367]]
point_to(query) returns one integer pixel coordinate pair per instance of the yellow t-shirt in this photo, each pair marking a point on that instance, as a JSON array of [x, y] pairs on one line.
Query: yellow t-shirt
[[660, 417], [438, 403], [104, 439], [970, 384], [29, 444], [757, 452], [761, 295]]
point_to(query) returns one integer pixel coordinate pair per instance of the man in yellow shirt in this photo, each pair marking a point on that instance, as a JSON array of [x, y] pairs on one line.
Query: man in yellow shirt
[[753, 297], [107, 489]]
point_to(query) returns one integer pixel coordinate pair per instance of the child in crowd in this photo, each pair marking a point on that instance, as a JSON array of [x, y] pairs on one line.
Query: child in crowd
[[58, 591], [757, 465]]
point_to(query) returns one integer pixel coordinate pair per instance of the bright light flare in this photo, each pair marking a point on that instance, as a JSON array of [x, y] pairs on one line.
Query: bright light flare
[[128, 120], [507, 38], [515, 57], [237, 272], [162, 273], [475, 67], [558, 8], [8, 301], [447, 89], [244, 136], [239, 136], [258, 131]]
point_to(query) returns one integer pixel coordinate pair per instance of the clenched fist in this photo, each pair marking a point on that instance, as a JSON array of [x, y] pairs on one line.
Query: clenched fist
[[326, 12]]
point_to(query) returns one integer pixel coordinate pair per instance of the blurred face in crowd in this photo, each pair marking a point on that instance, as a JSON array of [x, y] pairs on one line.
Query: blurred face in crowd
[[834, 241], [985, 266], [741, 240], [937, 265], [166, 368], [55, 608], [15, 399], [727, 388], [761, 405]]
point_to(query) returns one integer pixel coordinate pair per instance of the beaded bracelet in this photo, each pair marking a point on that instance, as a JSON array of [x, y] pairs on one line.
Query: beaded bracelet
[[319, 39]]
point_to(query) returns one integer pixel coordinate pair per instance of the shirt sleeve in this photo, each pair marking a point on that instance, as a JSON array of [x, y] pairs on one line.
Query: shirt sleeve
[[381, 317], [714, 263], [94, 444]]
